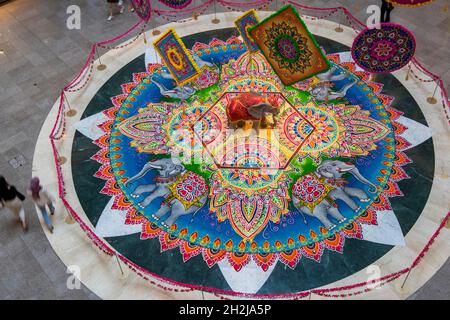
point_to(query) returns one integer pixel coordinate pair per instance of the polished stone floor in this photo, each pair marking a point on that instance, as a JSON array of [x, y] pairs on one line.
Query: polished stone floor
[[38, 54]]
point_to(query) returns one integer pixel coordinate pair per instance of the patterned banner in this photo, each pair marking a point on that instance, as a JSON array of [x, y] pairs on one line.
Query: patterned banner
[[176, 57], [289, 47], [243, 23]]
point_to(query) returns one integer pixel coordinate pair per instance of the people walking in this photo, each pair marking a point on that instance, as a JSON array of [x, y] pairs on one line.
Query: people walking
[[12, 199], [386, 8], [130, 6], [42, 199], [114, 5]]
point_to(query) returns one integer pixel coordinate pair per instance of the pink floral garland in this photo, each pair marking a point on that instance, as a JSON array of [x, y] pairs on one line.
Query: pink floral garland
[[129, 42], [58, 131], [85, 78], [80, 74], [327, 15], [244, 4], [428, 245]]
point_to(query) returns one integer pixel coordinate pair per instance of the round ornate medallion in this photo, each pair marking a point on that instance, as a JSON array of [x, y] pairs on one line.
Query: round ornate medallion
[[384, 50]]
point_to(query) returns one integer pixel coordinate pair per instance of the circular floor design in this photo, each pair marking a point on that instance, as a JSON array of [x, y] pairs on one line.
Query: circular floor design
[[395, 158]]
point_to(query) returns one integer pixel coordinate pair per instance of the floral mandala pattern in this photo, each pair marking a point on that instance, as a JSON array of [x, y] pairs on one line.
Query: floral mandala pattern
[[288, 47], [384, 50]]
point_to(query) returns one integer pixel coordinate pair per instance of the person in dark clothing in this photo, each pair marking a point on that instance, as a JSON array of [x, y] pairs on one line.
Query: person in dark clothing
[[13, 200], [386, 8]]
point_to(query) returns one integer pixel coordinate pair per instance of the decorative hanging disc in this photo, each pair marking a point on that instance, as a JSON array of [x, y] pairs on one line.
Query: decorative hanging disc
[[410, 3], [384, 50], [142, 8], [176, 4]]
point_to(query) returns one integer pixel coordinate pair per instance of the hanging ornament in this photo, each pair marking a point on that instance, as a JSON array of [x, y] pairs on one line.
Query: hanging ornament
[[142, 8]]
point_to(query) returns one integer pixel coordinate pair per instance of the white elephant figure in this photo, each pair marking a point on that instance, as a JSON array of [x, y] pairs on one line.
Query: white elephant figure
[[184, 192], [202, 63], [321, 91], [314, 194], [178, 92], [181, 92]]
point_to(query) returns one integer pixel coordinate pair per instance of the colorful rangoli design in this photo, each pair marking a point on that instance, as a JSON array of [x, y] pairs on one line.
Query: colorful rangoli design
[[288, 46], [384, 50], [253, 204]]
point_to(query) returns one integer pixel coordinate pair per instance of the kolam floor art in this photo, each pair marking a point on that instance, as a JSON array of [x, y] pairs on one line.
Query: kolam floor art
[[234, 223]]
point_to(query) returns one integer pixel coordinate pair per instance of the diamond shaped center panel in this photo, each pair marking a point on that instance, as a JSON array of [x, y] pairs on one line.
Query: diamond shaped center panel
[[249, 130]]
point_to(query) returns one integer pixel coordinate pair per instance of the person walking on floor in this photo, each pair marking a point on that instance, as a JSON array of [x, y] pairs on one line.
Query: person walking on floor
[[114, 4], [386, 8], [130, 6], [42, 198], [13, 200]]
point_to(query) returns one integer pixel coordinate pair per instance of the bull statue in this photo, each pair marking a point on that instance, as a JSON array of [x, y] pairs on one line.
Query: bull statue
[[252, 110]]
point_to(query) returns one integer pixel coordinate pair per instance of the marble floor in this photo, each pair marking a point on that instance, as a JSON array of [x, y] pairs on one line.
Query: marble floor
[[38, 54]]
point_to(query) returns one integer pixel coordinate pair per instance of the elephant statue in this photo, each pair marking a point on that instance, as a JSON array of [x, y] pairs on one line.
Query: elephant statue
[[321, 91], [202, 63], [178, 92], [253, 108], [331, 75], [184, 192], [314, 194], [181, 92]]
